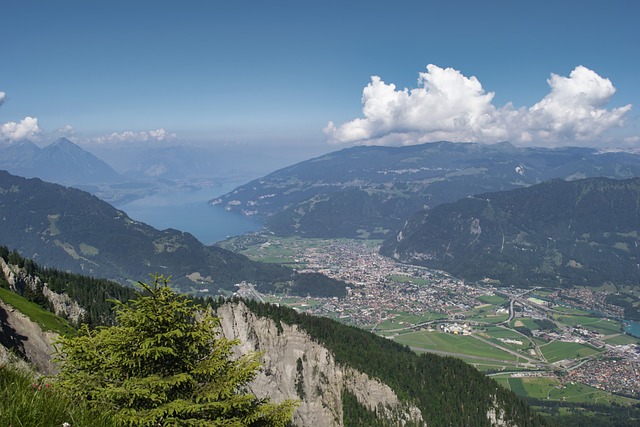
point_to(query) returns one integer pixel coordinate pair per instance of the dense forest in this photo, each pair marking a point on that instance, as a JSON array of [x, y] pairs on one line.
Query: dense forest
[[94, 295]]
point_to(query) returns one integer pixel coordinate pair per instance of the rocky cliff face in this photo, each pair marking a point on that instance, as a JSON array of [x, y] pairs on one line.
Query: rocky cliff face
[[25, 337], [62, 305], [295, 367]]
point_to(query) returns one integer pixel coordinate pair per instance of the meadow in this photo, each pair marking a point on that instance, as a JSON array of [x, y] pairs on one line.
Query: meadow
[[551, 388], [558, 350], [47, 320], [450, 343]]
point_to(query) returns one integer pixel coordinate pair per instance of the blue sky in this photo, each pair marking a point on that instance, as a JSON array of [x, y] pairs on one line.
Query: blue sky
[[277, 73]]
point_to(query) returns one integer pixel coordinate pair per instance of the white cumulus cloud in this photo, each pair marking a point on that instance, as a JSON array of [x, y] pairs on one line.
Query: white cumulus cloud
[[447, 105], [129, 136], [27, 128]]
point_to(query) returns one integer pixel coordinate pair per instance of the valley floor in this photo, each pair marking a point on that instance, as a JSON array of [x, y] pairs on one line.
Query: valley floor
[[540, 343]]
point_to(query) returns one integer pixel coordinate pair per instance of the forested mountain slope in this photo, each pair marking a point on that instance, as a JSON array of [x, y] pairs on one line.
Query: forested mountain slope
[[72, 230], [583, 232]]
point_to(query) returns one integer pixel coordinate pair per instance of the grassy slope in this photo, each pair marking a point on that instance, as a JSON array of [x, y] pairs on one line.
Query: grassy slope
[[25, 401], [47, 320]]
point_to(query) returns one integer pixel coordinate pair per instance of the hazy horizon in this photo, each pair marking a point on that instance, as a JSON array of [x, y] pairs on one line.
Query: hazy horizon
[[293, 80]]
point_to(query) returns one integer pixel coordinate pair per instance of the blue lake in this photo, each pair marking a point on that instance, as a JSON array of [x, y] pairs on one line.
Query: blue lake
[[632, 328], [189, 211]]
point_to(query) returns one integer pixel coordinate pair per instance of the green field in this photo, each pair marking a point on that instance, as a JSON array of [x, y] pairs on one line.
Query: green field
[[288, 250], [483, 365], [493, 333], [47, 320], [488, 318], [528, 322], [551, 388], [493, 299], [622, 339], [599, 325], [537, 387], [461, 344], [558, 350], [578, 392], [571, 310], [404, 320], [273, 253]]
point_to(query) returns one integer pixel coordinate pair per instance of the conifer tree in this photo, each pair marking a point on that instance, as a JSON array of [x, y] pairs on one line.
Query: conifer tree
[[163, 363]]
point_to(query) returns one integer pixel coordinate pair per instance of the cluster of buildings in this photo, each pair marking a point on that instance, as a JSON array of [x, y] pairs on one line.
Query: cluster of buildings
[[380, 287], [620, 376], [587, 299]]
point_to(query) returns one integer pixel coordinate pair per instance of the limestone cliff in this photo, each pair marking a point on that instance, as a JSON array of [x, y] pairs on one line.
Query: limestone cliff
[[296, 367], [23, 336], [61, 304]]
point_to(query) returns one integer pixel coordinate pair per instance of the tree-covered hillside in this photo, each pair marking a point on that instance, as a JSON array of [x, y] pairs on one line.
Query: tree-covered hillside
[[72, 230], [583, 232]]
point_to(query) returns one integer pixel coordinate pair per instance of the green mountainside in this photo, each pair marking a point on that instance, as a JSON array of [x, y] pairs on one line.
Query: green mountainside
[[582, 232], [72, 230], [371, 191]]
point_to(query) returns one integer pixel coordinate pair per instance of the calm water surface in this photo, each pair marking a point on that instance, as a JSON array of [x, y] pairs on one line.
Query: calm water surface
[[632, 328], [189, 211]]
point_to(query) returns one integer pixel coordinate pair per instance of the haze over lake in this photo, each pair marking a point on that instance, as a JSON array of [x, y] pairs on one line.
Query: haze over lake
[[189, 211]]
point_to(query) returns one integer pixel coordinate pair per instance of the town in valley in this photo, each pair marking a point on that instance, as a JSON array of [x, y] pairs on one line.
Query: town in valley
[[565, 343]]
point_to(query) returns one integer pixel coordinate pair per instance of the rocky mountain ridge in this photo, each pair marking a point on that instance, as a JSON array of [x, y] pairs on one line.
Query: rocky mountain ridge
[[296, 367]]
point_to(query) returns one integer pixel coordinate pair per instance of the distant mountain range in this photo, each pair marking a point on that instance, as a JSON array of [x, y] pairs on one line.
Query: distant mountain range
[[72, 230], [558, 233], [371, 191], [62, 162], [119, 172]]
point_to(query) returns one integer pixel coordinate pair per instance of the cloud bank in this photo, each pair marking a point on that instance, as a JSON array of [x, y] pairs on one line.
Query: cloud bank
[[26, 128], [129, 136], [446, 105]]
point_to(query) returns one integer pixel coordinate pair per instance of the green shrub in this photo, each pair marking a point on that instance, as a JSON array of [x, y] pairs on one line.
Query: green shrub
[[163, 364]]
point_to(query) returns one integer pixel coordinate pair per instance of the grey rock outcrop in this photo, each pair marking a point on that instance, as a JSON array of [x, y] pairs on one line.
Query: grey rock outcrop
[[26, 338], [296, 367], [62, 304]]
